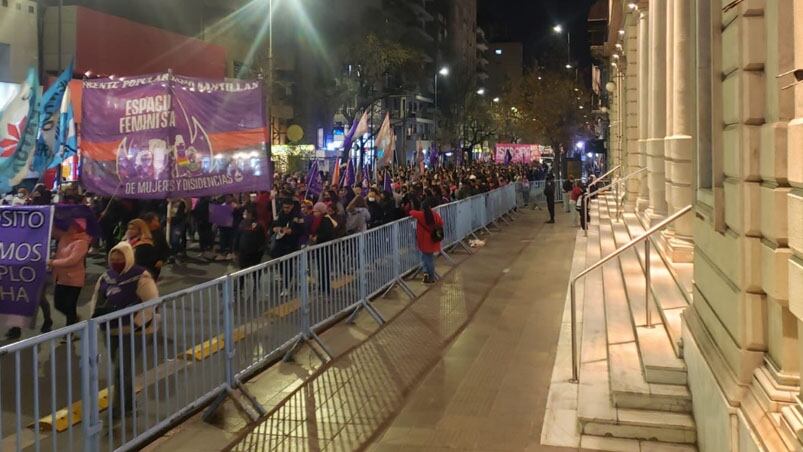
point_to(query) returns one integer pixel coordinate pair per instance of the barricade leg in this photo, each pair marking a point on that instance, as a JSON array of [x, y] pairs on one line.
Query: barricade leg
[[363, 287], [232, 384]]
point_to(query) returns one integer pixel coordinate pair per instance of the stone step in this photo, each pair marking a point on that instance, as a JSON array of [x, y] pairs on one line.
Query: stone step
[[659, 358], [667, 295], [630, 389], [593, 342], [644, 425], [589, 442]]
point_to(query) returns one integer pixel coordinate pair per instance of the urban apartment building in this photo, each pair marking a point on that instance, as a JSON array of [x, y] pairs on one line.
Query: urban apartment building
[[705, 106]]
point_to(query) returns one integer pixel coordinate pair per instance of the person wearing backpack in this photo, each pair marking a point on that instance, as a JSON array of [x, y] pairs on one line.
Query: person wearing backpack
[[428, 235]]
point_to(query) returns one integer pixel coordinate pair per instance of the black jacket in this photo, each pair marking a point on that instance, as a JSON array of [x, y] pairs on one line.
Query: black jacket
[[549, 189]]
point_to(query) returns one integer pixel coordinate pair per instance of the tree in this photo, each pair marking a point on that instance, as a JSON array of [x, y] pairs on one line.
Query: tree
[[554, 106], [465, 118]]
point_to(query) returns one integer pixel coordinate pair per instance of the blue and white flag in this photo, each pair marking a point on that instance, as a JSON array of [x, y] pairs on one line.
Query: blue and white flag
[[19, 124], [49, 117], [66, 140]]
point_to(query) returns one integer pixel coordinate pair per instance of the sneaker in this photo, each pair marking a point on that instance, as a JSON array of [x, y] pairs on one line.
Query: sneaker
[[428, 280]]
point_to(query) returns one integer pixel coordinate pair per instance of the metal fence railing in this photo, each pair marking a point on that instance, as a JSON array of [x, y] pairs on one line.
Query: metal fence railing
[[115, 381]]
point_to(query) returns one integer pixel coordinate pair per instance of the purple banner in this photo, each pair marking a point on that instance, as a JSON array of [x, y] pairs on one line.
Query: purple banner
[[24, 251], [221, 215], [163, 136]]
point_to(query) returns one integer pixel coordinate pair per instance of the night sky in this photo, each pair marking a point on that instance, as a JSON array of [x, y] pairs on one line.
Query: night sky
[[531, 22]]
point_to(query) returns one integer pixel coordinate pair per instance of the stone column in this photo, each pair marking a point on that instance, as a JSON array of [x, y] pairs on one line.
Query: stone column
[[631, 94], [678, 165], [657, 112], [643, 105], [793, 416]]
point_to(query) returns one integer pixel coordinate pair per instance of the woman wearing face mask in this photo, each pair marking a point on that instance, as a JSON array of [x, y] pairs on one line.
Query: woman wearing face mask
[[146, 255], [69, 271], [123, 285]]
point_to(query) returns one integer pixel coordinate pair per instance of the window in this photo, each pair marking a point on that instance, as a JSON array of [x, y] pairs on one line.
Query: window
[[31, 9], [498, 51], [5, 62]]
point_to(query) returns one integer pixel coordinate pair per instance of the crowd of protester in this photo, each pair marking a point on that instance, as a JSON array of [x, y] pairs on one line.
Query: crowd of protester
[[249, 228], [140, 238]]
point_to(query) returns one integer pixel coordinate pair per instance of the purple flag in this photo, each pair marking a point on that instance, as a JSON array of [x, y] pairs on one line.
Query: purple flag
[[349, 177], [434, 156], [314, 183], [508, 157], [25, 241], [348, 139], [388, 185]]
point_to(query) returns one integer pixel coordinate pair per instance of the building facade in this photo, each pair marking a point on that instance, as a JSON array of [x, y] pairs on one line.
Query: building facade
[[707, 96], [19, 43], [506, 67]]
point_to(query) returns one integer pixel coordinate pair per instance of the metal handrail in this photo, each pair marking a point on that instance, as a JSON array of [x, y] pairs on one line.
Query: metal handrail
[[644, 237], [619, 181], [585, 197]]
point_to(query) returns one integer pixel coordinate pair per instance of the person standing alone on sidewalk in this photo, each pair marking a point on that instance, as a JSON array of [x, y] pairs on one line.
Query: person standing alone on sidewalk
[[567, 187], [428, 235], [549, 192]]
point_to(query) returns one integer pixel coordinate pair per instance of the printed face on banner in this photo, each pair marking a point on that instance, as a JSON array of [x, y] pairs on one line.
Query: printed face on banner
[[24, 250], [164, 136]]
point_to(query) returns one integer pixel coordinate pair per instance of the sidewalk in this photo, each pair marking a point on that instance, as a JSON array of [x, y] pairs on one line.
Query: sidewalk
[[409, 387]]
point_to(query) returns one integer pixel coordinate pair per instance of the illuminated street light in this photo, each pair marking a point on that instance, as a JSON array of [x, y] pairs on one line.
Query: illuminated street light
[[496, 99], [576, 90], [539, 77], [581, 107], [557, 29], [580, 145], [444, 71], [568, 66], [621, 32], [481, 91]]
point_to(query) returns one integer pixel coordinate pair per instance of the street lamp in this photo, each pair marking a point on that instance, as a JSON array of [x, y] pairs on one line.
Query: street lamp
[[481, 91], [443, 72], [496, 100], [558, 29]]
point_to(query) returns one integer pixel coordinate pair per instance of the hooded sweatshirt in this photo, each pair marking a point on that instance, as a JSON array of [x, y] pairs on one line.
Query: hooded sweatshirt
[[116, 291]]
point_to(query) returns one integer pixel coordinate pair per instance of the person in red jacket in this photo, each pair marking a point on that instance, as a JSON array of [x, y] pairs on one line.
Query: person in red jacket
[[427, 222]]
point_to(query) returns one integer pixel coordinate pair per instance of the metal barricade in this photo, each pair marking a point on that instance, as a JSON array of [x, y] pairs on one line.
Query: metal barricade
[[38, 377], [159, 361], [115, 381], [266, 311], [408, 252], [379, 269], [334, 282]]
